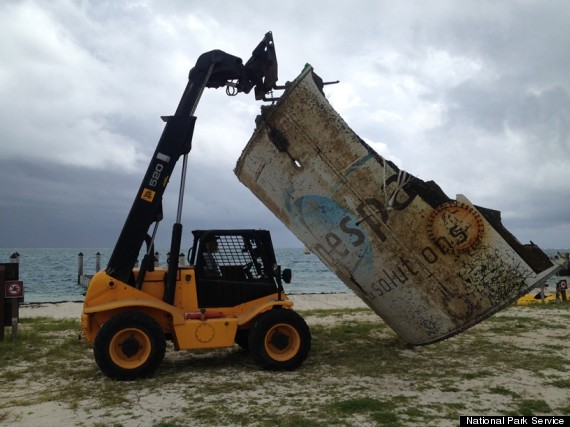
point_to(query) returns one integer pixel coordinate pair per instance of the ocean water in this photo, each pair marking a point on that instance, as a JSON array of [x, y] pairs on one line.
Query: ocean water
[[50, 275]]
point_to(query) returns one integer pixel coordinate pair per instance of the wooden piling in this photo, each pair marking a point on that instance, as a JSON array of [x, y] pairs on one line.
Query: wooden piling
[[79, 266], [85, 279]]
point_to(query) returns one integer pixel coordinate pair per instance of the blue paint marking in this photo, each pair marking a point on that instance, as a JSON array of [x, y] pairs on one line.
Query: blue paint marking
[[335, 229]]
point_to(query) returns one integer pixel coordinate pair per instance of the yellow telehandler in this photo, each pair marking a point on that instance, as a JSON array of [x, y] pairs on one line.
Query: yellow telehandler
[[231, 291]]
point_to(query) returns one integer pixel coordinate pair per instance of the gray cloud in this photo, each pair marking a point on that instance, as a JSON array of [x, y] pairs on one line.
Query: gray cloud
[[472, 95]]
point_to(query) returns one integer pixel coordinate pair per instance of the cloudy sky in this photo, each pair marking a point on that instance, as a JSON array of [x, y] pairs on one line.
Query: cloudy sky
[[474, 95]]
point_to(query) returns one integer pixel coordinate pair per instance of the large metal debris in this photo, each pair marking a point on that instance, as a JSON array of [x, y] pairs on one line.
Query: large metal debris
[[430, 266]]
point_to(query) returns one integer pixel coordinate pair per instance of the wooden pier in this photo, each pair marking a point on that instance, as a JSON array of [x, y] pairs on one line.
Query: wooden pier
[[85, 279]]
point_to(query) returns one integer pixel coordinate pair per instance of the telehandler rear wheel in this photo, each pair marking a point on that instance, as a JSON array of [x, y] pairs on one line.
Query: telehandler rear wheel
[[130, 345], [280, 340]]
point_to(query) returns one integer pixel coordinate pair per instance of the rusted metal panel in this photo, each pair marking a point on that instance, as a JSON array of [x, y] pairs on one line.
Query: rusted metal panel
[[430, 266]]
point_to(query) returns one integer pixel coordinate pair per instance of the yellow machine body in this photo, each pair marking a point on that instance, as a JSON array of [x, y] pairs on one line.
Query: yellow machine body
[[190, 326]]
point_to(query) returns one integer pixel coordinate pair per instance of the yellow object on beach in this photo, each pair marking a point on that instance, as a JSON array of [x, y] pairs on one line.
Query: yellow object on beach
[[534, 299]]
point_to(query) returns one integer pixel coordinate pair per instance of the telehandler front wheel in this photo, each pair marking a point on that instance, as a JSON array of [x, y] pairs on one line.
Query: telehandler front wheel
[[280, 340], [242, 338], [130, 345]]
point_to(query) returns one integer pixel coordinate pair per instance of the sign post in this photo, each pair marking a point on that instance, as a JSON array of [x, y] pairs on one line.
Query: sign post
[[12, 292], [2, 303]]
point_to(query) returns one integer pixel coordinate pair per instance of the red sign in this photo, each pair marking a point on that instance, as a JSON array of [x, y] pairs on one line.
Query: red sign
[[14, 289]]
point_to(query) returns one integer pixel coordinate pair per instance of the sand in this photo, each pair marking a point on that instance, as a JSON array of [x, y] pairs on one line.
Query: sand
[[474, 396], [70, 310]]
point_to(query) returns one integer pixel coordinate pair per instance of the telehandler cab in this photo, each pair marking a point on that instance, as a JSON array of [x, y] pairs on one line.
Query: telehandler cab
[[232, 290]]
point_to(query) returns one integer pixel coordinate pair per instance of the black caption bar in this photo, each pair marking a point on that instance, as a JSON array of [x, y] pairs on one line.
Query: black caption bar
[[521, 420]]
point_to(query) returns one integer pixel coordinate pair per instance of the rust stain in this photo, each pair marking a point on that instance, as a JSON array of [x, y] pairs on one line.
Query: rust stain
[[429, 265]]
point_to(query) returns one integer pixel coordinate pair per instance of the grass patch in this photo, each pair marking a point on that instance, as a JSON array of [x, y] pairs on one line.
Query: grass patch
[[382, 412], [532, 407], [358, 372], [561, 383], [504, 392]]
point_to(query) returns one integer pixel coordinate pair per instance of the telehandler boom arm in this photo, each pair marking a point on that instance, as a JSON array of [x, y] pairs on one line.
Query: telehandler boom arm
[[213, 69]]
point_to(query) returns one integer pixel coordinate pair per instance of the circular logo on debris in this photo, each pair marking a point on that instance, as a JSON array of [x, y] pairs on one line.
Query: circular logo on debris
[[455, 227]]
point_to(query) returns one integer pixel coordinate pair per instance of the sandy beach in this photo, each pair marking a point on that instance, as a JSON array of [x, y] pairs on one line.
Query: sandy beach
[[477, 393], [72, 310]]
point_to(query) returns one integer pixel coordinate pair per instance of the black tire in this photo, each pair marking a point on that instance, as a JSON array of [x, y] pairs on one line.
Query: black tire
[[242, 338], [130, 345], [280, 340]]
